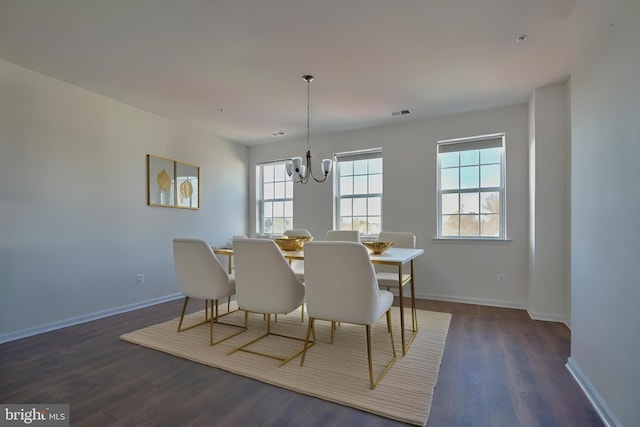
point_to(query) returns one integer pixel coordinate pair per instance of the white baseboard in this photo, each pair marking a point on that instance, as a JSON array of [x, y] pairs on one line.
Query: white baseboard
[[548, 317], [567, 322], [602, 409], [478, 301], [40, 329]]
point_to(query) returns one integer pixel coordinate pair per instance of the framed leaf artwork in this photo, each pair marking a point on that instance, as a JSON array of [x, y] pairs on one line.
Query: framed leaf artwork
[[171, 183]]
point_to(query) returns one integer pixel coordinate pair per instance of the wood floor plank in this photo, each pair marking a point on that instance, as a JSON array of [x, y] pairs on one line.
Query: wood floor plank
[[471, 405], [504, 402], [499, 368]]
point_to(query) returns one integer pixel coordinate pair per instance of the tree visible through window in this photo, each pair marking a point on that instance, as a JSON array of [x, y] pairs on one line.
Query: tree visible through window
[[359, 191], [471, 188], [275, 198]]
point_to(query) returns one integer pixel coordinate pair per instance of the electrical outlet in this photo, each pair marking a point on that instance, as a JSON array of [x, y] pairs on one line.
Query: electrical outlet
[[140, 279], [500, 278]]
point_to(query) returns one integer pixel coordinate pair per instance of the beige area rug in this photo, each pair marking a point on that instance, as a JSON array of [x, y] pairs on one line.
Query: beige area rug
[[337, 373]]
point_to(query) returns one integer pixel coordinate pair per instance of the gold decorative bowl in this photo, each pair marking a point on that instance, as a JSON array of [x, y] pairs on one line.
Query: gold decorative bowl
[[303, 238], [292, 243], [378, 247]]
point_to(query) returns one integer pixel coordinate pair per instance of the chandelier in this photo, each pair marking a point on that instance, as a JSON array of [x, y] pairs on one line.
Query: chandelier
[[299, 172]]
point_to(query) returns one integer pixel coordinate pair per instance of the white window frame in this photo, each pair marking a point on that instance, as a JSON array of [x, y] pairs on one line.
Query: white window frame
[[497, 140], [260, 200], [374, 153]]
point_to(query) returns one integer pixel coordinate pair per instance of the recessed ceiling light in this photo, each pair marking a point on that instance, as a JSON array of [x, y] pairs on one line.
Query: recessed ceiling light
[[521, 38]]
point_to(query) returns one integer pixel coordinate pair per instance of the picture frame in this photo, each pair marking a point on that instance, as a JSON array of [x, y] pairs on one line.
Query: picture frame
[[187, 186], [172, 183]]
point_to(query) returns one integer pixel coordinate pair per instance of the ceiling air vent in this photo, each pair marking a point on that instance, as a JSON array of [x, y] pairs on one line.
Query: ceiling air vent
[[400, 113], [278, 133]]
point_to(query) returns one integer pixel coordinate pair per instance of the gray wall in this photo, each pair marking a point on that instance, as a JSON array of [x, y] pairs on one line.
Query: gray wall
[[605, 230], [462, 271], [74, 225]]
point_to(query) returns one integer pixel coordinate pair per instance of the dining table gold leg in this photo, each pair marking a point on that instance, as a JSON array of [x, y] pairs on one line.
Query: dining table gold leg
[[414, 313], [406, 342], [401, 297]]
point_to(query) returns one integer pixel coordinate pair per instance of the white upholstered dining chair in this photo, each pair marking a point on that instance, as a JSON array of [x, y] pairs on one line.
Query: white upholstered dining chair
[[200, 275], [341, 286], [265, 284], [343, 236], [297, 232]]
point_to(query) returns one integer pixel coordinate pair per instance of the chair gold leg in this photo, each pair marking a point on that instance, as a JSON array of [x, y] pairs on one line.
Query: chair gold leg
[[369, 356], [210, 319], [306, 342], [393, 346], [393, 349], [283, 360], [333, 330], [211, 324], [372, 382], [184, 309], [214, 309], [214, 319]]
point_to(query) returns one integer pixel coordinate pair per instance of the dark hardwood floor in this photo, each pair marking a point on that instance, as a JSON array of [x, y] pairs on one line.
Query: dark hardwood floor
[[500, 368]]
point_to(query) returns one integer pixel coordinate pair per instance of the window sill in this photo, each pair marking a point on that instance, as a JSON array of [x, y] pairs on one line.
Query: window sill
[[472, 241]]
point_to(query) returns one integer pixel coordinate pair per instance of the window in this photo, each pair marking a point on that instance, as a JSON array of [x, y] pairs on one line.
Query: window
[[471, 183], [275, 198], [358, 191]]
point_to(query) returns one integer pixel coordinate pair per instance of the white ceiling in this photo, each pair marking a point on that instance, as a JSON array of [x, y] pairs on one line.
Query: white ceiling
[[234, 67]]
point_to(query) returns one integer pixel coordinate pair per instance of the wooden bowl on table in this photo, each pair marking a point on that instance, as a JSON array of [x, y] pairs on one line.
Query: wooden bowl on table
[[377, 247]]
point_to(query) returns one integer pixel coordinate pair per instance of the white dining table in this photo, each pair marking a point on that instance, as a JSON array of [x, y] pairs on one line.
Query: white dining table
[[392, 256]]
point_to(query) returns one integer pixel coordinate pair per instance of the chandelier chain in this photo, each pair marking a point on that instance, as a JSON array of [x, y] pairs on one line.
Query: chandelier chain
[[308, 79]]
